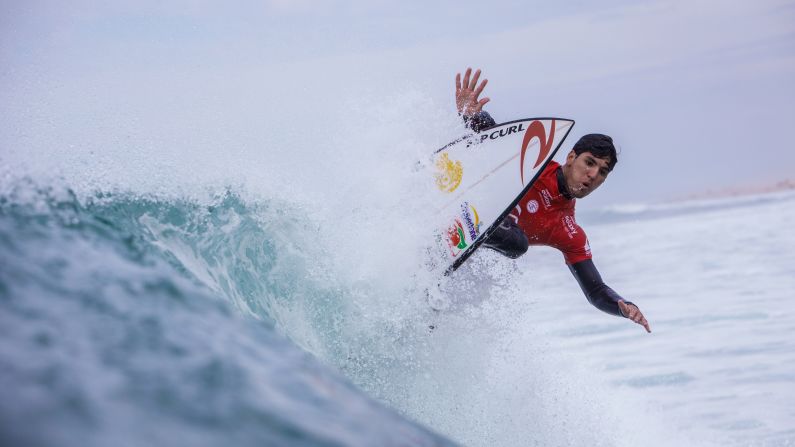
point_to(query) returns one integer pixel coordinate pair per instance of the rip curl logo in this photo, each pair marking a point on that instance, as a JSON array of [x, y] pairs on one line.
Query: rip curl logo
[[449, 173], [532, 206], [536, 130]]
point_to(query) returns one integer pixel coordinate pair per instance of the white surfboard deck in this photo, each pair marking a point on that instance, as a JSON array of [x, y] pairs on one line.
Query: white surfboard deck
[[483, 175]]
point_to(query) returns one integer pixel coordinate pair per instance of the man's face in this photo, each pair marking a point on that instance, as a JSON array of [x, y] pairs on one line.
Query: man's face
[[584, 173]]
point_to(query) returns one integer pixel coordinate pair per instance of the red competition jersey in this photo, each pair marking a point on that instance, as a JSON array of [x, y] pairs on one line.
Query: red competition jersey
[[547, 218]]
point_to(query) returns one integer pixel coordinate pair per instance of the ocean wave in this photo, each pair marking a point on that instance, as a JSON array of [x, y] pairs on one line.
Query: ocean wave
[[124, 323]]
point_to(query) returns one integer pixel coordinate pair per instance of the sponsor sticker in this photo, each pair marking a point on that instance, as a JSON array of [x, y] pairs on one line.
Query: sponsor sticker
[[463, 230], [456, 238], [470, 216], [448, 173]]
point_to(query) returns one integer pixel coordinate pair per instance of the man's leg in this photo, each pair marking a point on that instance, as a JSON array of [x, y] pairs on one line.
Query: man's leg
[[508, 239]]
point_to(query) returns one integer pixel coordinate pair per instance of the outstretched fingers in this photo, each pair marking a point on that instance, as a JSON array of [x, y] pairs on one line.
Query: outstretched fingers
[[632, 312], [475, 78], [644, 323], [480, 88], [466, 78], [467, 92]]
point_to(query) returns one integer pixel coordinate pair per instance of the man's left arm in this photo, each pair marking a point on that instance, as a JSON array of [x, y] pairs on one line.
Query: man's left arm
[[603, 297]]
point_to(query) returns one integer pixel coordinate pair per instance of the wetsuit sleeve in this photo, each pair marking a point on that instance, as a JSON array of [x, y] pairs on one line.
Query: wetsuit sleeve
[[479, 121], [598, 293]]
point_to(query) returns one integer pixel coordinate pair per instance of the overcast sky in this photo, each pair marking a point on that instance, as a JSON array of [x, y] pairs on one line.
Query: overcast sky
[[698, 94]]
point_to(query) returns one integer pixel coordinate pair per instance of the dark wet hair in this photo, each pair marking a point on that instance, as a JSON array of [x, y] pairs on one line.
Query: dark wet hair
[[601, 146]]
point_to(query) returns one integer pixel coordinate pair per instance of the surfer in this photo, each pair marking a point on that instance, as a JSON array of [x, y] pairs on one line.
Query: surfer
[[545, 214]]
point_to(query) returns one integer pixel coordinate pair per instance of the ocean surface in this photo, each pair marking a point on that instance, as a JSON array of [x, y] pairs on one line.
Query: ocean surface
[[141, 306]]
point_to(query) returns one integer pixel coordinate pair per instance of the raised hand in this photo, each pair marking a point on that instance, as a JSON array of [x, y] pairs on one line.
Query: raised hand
[[466, 93], [632, 312]]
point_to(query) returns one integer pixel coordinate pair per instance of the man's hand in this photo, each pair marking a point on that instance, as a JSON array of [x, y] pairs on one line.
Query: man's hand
[[632, 312], [466, 93]]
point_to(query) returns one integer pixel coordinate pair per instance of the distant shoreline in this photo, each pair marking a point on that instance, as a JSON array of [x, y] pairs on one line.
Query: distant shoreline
[[697, 202], [782, 185]]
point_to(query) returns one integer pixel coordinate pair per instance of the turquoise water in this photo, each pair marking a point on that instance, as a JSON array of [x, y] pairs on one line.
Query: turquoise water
[[136, 321]]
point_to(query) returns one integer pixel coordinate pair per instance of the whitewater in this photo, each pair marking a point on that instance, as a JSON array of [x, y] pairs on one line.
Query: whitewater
[[195, 288]]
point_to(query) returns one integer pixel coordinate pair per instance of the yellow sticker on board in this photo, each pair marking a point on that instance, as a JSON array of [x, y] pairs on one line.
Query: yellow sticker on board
[[449, 173]]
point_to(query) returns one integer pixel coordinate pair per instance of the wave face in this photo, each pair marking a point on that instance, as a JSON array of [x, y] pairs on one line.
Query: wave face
[[158, 290], [125, 321]]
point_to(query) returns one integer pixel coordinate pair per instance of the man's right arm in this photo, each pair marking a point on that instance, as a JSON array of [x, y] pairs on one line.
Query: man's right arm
[[603, 297], [596, 291]]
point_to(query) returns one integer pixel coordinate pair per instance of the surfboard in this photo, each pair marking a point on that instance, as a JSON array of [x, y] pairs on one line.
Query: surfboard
[[482, 176]]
